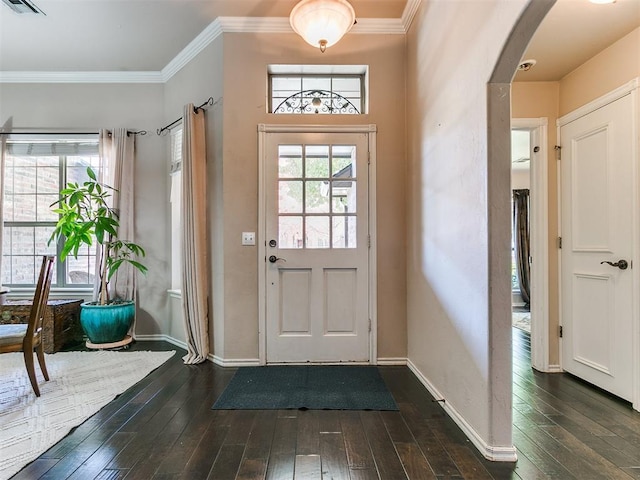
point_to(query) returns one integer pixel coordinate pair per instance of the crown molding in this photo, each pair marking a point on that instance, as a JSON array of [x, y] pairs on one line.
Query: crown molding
[[81, 77], [370, 26], [255, 24], [409, 13], [188, 53]]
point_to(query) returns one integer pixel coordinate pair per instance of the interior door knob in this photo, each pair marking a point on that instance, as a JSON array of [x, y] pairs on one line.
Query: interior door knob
[[621, 264], [274, 259]]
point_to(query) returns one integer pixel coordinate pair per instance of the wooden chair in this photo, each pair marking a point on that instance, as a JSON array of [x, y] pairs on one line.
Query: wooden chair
[[28, 337]]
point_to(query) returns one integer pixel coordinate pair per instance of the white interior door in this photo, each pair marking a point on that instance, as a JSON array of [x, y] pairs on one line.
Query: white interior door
[[598, 225], [316, 214]]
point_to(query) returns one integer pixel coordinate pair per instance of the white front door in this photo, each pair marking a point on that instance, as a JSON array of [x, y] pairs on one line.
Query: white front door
[[316, 253], [598, 226]]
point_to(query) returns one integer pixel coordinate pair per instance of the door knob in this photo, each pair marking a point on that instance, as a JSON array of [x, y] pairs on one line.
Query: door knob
[[621, 264], [274, 259]]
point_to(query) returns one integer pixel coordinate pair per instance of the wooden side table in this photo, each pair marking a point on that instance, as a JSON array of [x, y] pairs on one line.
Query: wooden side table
[[61, 322]]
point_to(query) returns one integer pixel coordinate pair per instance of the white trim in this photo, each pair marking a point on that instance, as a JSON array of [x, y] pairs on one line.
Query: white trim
[[160, 337], [81, 77], [175, 294], [599, 102], [490, 452], [554, 368], [255, 24], [188, 53], [378, 26], [275, 128], [539, 241], [409, 13], [635, 152], [391, 361], [373, 244], [263, 129], [234, 362]]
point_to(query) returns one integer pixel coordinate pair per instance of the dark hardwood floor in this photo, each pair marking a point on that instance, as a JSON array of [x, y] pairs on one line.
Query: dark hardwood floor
[[163, 428]]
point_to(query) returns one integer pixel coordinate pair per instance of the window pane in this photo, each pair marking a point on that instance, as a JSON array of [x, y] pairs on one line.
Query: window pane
[[42, 235], [23, 270], [317, 161], [24, 208], [48, 180], [343, 161], [24, 179], [344, 232], [23, 241], [343, 197], [316, 196], [290, 232], [317, 232], [290, 196], [316, 83], [44, 212], [290, 161], [81, 270]]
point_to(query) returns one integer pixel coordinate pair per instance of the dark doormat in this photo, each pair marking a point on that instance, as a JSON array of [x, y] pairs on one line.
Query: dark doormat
[[312, 387]]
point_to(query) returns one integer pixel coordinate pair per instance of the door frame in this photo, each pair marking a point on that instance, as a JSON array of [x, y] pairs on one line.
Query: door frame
[[629, 88], [539, 228], [263, 131]]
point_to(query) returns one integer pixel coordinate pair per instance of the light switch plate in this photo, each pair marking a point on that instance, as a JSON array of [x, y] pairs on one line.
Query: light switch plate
[[248, 238]]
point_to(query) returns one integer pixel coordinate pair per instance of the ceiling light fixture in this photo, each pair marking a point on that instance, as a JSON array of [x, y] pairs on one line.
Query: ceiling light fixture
[[322, 23]]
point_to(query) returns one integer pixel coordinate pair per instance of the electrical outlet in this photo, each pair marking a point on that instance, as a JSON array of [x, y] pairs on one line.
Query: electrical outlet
[[248, 238]]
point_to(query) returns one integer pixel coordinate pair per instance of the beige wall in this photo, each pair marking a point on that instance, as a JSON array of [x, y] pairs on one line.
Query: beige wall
[[611, 68], [200, 79], [94, 106], [246, 57], [450, 332], [535, 100]]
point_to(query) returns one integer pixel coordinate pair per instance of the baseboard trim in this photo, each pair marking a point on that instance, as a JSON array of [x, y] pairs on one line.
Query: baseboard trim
[[160, 337], [490, 452], [391, 361], [554, 369], [234, 362]]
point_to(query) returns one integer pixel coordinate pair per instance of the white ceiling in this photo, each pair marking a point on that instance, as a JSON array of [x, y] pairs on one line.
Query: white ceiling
[[145, 35]]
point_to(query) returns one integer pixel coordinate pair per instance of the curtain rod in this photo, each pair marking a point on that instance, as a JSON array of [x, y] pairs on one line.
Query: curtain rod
[[129, 132], [209, 102]]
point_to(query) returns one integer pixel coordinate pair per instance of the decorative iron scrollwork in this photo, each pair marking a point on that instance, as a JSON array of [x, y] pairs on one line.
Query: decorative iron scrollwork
[[317, 101]]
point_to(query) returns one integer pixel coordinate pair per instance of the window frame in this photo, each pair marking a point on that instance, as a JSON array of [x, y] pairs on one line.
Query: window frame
[[60, 281]]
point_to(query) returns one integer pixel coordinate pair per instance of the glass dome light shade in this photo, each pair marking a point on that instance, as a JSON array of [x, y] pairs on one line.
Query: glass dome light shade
[[322, 23]]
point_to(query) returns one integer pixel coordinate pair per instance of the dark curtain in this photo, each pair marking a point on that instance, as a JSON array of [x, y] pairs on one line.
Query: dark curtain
[[521, 236]]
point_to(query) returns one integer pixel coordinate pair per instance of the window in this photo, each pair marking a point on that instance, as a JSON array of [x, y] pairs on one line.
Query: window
[[317, 89], [317, 196], [176, 208], [35, 171]]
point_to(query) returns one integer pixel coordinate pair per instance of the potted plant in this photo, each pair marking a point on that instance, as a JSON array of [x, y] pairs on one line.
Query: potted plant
[[85, 217]]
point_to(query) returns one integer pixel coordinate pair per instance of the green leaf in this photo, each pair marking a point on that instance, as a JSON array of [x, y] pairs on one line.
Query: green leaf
[[91, 174]]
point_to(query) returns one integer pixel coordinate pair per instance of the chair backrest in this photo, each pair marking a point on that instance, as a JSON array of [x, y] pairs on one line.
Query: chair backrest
[[40, 298]]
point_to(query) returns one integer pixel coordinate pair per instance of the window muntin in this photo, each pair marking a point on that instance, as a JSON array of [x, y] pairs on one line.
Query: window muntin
[[35, 172], [317, 196], [316, 94]]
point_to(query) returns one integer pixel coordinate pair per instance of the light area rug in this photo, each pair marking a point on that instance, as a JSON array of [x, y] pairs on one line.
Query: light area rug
[[522, 321], [80, 384]]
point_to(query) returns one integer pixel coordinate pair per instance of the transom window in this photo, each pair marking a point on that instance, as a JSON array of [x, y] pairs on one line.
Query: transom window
[[35, 172], [317, 196], [317, 89]]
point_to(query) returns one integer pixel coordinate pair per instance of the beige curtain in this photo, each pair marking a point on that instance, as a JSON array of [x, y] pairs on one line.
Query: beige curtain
[[195, 285], [521, 227], [117, 153]]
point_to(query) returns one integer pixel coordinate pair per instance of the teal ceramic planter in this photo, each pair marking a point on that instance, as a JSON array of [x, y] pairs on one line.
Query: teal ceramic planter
[[107, 323]]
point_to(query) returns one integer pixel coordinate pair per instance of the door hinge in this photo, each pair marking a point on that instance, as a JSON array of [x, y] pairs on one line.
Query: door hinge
[[560, 331], [558, 150], [369, 241], [369, 324], [560, 242], [369, 157]]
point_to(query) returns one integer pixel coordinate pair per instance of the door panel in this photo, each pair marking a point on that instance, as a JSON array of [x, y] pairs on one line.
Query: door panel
[[316, 215], [597, 226]]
